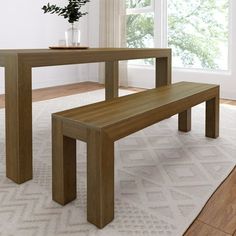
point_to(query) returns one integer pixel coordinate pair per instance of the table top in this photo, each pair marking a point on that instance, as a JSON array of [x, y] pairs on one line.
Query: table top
[[42, 50], [47, 57]]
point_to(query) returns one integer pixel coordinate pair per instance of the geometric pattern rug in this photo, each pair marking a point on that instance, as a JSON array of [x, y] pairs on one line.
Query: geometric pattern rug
[[163, 177]]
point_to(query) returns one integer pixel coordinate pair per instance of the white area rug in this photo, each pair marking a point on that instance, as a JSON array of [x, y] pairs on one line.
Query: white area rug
[[163, 177]]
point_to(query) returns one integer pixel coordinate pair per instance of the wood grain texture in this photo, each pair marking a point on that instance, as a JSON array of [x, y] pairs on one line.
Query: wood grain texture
[[18, 120], [48, 57], [125, 115], [212, 117], [184, 121], [2, 61], [220, 211], [64, 90], [100, 178], [227, 101], [163, 71], [200, 229], [111, 79], [102, 123], [63, 165], [60, 91], [18, 65]]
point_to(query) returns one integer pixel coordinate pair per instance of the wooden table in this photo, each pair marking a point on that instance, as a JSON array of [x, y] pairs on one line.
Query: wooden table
[[18, 88]]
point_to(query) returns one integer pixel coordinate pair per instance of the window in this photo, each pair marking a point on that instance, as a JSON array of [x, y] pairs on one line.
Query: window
[[140, 26], [196, 30]]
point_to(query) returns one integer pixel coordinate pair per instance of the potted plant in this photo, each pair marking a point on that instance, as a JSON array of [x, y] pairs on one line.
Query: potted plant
[[72, 13]]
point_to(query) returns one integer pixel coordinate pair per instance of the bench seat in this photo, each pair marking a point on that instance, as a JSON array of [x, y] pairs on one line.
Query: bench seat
[[101, 124]]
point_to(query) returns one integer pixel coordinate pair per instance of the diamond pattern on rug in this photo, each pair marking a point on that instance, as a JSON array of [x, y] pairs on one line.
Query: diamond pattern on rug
[[162, 177]]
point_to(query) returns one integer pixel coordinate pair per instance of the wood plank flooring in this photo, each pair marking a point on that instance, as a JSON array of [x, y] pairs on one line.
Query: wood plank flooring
[[218, 217], [199, 228], [59, 91]]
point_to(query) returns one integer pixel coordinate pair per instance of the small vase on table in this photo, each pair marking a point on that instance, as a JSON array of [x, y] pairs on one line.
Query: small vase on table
[[72, 13], [72, 36]]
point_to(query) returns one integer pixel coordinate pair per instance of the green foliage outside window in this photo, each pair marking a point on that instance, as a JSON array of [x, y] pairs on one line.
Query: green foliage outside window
[[140, 30], [137, 3], [197, 31]]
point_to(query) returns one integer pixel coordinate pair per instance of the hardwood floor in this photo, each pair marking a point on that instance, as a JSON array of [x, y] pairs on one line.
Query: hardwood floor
[[229, 102], [59, 91], [199, 228], [218, 217], [64, 90]]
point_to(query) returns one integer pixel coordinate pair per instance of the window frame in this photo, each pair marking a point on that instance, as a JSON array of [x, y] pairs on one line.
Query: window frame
[[140, 10]]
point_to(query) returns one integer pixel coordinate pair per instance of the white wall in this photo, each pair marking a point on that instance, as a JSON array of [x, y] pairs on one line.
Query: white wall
[[24, 25], [93, 38]]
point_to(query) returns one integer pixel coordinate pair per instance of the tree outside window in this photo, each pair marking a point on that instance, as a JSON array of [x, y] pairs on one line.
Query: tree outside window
[[197, 31], [140, 26]]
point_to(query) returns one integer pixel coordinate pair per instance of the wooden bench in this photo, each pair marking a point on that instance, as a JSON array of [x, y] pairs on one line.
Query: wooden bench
[[102, 123]]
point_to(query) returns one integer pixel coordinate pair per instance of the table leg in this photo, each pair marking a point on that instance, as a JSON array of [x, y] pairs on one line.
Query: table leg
[[163, 71], [18, 120], [111, 79]]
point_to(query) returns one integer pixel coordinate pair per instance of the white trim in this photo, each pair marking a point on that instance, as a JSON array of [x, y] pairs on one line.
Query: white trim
[[132, 11], [160, 23], [188, 70], [206, 71], [164, 23], [230, 39], [158, 29], [140, 10]]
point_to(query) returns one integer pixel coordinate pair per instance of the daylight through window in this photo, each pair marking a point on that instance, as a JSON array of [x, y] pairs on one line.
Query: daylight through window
[[197, 30]]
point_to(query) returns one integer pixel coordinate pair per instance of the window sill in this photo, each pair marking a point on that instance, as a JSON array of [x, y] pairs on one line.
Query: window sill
[[184, 70]]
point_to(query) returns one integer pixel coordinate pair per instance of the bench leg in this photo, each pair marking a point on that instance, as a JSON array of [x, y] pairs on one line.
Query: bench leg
[[63, 165], [212, 118], [184, 120], [100, 179]]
